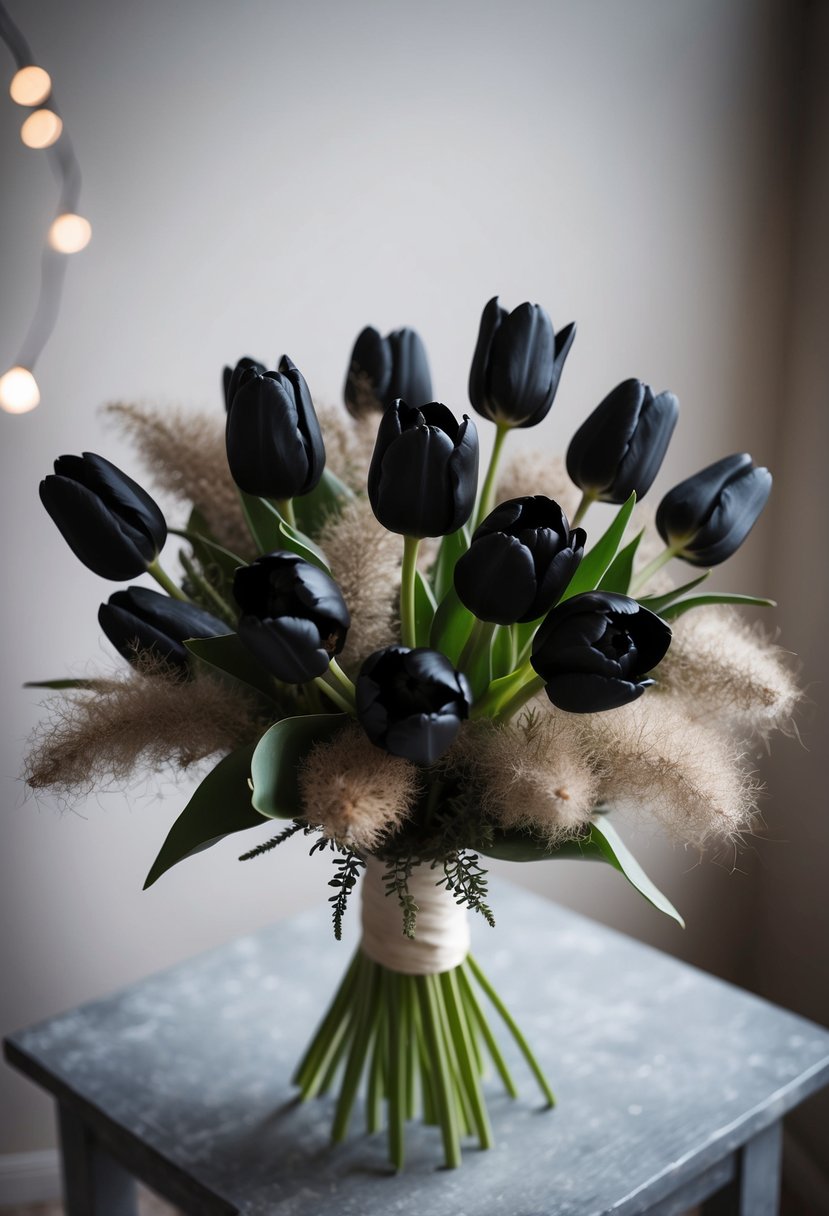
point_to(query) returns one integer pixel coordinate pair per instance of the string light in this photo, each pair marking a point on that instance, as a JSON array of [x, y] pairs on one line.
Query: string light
[[30, 85], [18, 391], [41, 129], [69, 231]]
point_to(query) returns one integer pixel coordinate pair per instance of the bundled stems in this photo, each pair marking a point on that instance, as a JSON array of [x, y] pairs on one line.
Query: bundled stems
[[418, 1043], [488, 491], [408, 576]]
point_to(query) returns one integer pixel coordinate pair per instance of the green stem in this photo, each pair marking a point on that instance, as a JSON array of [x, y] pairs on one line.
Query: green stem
[[365, 1018], [466, 1058], [478, 642], [342, 679], [330, 689], [398, 1046], [524, 694], [488, 491], [500, 694], [317, 1049], [285, 507], [641, 580], [441, 1077], [587, 501], [228, 615], [511, 1025], [477, 1014], [408, 573], [163, 579]]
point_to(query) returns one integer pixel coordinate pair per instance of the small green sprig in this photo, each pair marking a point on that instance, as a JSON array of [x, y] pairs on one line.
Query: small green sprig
[[348, 868]]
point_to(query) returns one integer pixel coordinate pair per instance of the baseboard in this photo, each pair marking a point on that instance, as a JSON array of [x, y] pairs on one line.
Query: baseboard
[[29, 1178]]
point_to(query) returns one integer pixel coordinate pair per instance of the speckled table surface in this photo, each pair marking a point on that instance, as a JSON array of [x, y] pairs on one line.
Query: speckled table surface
[[660, 1072]]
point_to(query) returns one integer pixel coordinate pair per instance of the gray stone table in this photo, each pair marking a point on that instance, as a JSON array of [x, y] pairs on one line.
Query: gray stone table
[[671, 1085]]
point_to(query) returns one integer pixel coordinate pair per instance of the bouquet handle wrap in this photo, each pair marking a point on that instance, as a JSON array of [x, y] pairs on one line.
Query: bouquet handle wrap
[[441, 942]]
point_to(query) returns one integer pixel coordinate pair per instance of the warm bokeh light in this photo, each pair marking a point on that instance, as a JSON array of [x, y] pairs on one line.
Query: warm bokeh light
[[41, 129], [18, 391], [30, 86], [70, 233]]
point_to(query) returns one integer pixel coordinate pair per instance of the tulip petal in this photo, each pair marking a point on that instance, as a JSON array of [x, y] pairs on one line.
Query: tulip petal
[[288, 647], [491, 318], [521, 365], [133, 637], [496, 579], [735, 514], [463, 474], [589, 694], [92, 532], [563, 341], [422, 738], [411, 378], [308, 426], [686, 507]]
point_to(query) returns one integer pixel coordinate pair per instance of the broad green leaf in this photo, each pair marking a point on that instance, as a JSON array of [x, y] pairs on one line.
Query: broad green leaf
[[326, 500], [221, 805], [270, 531], [276, 759], [452, 547], [605, 836], [425, 608], [503, 651], [594, 563], [657, 602], [228, 655], [620, 571], [60, 685], [699, 601], [524, 632], [451, 626], [512, 845]]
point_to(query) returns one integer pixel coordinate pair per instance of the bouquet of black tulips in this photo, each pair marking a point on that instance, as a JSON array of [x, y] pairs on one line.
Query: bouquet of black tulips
[[415, 673]]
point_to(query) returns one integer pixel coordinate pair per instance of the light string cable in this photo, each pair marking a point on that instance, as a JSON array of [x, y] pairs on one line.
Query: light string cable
[[69, 232]]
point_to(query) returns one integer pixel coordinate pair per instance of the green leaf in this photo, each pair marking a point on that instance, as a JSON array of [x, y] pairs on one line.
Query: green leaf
[[524, 632], [326, 500], [699, 601], [451, 626], [270, 531], [594, 564], [657, 602], [60, 685], [277, 757], [425, 608], [452, 547], [221, 805], [513, 845], [227, 654], [619, 573], [616, 852], [503, 652]]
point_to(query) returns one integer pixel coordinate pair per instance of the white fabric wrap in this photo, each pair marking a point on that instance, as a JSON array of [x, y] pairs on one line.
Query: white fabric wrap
[[441, 939]]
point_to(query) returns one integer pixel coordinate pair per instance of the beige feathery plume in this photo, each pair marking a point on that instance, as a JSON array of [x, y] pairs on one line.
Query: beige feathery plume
[[534, 774], [184, 454], [349, 443], [365, 561], [152, 719], [654, 761], [355, 792], [723, 670], [536, 472]]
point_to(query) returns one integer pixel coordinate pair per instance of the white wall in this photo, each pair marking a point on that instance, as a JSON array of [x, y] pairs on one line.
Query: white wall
[[272, 176]]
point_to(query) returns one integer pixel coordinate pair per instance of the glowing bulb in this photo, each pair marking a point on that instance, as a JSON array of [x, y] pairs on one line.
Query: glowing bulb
[[18, 391], [41, 129], [70, 233], [30, 86]]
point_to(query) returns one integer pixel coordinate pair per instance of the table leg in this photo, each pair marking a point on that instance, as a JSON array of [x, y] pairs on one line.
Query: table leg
[[94, 1184], [756, 1189]]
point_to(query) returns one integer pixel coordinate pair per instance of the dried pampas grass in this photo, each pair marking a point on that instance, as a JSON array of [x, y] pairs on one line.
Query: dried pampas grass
[[534, 472], [150, 717], [365, 561], [724, 670], [652, 760], [349, 443], [355, 792]]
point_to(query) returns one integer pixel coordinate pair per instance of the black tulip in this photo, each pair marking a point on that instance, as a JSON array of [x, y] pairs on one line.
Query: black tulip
[[232, 375], [707, 517], [595, 650], [108, 521], [294, 618], [139, 620], [621, 446], [381, 370], [274, 443], [424, 471], [412, 702], [520, 560], [517, 364]]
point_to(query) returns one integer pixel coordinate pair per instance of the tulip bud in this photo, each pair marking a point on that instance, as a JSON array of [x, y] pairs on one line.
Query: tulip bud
[[594, 651], [385, 369], [424, 471], [139, 620], [517, 364], [294, 618], [520, 560], [274, 443], [108, 521], [621, 446], [707, 517], [412, 702], [232, 375]]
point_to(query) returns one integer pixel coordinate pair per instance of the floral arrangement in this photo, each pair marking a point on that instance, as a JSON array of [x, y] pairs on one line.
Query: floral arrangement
[[415, 674]]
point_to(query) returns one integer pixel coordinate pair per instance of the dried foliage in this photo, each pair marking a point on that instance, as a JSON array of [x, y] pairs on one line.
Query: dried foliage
[[149, 717], [365, 561], [355, 792]]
